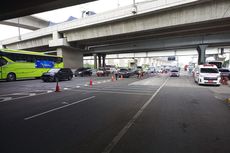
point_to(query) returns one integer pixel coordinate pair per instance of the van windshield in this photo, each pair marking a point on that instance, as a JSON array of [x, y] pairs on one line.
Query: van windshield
[[209, 70]]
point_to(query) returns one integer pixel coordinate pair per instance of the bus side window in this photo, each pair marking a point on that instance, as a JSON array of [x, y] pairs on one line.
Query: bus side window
[[2, 62]]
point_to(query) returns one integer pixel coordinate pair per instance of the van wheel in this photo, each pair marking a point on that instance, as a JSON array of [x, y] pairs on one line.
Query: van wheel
[[11, 77]]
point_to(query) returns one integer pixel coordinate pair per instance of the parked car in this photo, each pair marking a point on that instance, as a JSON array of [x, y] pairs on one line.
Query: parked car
[[139, 70], [111, 68], [207, 74], [224, 72], [151, 70], [124, 72], [83, 72], [102, 72], [57, 75], [174, 73]]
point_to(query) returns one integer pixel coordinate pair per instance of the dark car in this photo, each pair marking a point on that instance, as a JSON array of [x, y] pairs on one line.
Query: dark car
[[124, 72], [83, 72], [224, 72], [57, 75]]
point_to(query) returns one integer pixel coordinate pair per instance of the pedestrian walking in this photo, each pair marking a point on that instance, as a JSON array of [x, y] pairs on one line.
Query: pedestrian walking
[[116, 74]]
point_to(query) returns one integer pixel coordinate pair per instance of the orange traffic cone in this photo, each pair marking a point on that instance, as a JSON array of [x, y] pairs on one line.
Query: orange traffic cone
[[90, 82], [57, 87], [112, 78]]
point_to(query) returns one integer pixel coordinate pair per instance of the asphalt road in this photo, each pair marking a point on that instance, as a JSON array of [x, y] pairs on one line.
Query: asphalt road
[[152, 115]]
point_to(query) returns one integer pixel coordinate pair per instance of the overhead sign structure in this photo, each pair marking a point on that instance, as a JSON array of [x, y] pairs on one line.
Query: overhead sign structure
[[171, 58]]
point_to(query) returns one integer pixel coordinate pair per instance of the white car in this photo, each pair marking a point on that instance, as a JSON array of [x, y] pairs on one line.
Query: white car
[[207, 74]]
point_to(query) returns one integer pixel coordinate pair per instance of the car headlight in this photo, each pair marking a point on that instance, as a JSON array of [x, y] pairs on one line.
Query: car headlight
[[80, 72]]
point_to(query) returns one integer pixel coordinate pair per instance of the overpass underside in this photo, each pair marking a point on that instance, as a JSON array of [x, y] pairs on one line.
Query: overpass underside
[[198, 25]]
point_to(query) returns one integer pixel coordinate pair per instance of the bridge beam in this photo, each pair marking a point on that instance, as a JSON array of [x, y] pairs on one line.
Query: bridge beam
[[169, 43], [27, 22]]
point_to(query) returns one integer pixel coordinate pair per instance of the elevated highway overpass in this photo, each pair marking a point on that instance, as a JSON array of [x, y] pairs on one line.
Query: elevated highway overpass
[[144, 27], [10, 9], [27, 22]]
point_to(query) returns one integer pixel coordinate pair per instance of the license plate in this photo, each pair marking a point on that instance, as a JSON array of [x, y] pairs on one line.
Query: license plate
[[210, 81]]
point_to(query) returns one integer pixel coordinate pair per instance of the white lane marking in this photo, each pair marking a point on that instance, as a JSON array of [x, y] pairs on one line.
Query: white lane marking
[[66, 88], [49, 91], [64, 103], [46, 112], [86, 85], [24, 97], [118, 137], [14, 94], [5, 99], [114, 92], [78, 86], [32, 94], [218, 97]]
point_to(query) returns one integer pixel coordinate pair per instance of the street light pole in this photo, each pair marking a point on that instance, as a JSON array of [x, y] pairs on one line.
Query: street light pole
[[134, 9], [19, 32]]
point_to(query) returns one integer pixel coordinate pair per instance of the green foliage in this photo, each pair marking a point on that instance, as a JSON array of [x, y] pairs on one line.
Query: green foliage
[[88, 65], [225, 63]]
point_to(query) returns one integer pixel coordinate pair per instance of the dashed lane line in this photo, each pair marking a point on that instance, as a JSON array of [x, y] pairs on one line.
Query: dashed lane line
[[112, 92], [124, 130], [58, 108]]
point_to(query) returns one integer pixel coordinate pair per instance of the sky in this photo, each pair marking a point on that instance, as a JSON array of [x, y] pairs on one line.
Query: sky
[[63, 14]]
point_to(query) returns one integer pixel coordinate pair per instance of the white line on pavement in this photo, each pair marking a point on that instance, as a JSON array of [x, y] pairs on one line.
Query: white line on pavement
[[115, 92], [5, 99], [40, 114], [124, 130], [22, 97], [32, 94]]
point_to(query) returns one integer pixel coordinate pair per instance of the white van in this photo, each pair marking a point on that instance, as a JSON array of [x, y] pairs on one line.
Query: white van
[[207, 74]]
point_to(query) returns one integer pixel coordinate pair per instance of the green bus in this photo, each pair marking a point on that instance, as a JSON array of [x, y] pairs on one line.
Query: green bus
[[16, 64]]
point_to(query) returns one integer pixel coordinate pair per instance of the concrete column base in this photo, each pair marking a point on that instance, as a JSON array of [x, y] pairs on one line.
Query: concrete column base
[[72, 58], [201, 54]]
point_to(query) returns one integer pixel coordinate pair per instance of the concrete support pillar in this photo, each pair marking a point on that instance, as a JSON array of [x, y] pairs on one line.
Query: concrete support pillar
[[99, 60], [95, 61], [103, 60], [56, 35], [201, 53], [72, 58]]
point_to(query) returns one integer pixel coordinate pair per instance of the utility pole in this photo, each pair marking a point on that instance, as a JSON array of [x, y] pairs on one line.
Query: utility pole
[[134, 9], [19, 32], [118, 3]]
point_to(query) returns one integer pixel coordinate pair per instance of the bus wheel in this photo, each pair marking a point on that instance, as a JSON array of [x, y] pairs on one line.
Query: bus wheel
[[11, 77]]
